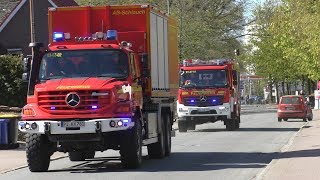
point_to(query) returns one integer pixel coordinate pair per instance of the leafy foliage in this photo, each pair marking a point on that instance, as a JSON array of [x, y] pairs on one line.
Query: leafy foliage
[[288, 46], [13, 92]]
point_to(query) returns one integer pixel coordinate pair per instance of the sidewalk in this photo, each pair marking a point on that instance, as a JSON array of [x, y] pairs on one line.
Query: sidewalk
[[300, 159], [16, 159]]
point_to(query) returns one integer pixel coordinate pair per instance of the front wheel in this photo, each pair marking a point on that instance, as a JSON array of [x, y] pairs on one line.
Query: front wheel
[[38, 152], [279, 119], [182, 125], [131, 147], [230, 124], [310, 117]]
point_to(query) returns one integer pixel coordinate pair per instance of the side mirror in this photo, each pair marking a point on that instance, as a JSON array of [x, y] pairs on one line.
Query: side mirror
[[26, 68], [235, 77], [145, 65]]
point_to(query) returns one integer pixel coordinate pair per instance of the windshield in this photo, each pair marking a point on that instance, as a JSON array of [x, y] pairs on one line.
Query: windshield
[[84, 63], [203, 78]]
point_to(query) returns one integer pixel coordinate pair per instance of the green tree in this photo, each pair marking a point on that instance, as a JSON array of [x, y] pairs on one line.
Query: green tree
[[13, 91]]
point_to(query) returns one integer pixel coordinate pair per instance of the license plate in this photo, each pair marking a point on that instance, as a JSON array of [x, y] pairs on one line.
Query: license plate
[[289, 108], [203, 110], [73, 124]]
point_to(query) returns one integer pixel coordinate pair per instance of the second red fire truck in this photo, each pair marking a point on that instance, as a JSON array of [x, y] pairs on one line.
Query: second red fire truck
[[208, 92]]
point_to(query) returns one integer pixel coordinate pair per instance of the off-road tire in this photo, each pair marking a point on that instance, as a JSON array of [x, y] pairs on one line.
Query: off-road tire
[[81, 155], [38, 152], [182, 126], [131, 147], [157, 150], [237, 123], [191, 126], [168, 130], [231, 124], [279, 119]]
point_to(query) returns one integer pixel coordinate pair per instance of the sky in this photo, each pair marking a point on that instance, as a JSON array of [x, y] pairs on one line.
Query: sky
[[251, 5]]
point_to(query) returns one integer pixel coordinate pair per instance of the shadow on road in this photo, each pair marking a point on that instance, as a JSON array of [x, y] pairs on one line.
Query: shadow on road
[[189, 161], [179, 161], [250, 130]]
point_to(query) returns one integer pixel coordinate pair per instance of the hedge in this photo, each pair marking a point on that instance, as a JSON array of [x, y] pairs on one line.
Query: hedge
[[12, 90]]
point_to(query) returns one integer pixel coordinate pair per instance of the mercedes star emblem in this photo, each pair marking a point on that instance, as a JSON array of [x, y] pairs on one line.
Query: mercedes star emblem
[[203, 98], [73, 99]]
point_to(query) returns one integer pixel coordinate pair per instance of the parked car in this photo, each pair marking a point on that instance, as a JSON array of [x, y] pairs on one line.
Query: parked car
[[294, 107]]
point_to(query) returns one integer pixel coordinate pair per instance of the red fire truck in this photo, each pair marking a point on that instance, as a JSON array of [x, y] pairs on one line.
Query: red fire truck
[[106, 81], [209, 92]]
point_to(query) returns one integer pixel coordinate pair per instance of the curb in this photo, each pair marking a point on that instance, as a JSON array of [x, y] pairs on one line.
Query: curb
[[283, 149]]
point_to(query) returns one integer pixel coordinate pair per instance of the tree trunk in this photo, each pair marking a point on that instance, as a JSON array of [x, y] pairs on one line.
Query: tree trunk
[[288, 88], [277, 93], [283, 89]]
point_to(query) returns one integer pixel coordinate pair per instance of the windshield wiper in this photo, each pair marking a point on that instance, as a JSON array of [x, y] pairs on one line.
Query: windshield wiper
[[52, 77]]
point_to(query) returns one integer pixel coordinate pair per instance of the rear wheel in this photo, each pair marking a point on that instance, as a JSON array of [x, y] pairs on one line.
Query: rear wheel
[[304, 119], [168, 135], [285, 119], [310, 117], [157, 150], [38, 152], [279, 119], [182, 125], [131, 147]]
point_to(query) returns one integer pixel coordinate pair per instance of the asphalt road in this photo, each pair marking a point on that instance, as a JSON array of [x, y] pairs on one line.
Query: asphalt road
[[209, 152]]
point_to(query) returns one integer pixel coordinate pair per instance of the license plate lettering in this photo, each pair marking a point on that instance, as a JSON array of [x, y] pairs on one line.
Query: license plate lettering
[[203, 110], [73, 124]]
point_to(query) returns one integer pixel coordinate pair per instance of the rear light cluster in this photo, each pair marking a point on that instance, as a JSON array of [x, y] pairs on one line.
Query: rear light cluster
[[55, 101]]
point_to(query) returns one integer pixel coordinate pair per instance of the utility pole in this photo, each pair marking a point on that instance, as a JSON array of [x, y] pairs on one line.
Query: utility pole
[[168, 7]]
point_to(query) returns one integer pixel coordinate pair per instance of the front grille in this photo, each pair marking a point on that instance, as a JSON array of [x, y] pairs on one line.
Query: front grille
[[203, 101], [55, 101]]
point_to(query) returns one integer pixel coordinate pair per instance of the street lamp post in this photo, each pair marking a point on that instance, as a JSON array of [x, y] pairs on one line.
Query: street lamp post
[[32, 25]]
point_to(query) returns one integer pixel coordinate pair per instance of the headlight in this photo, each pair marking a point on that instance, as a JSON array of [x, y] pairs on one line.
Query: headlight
[[222, 108]]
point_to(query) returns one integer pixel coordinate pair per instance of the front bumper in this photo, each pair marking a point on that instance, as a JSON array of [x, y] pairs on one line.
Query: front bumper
[[89, 126], [194, 111]]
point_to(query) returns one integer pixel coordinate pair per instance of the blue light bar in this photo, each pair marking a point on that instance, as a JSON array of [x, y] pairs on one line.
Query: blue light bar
[[94, 107], [192, 101], [125, 120], [53, 108], [58, 36], [112, 35], [213, 100]]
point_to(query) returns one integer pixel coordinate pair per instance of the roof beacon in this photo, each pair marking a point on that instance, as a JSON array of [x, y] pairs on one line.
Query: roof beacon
[[112, 35]]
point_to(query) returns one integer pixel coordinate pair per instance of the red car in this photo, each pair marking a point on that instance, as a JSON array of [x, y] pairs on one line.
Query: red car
[[294, 107]]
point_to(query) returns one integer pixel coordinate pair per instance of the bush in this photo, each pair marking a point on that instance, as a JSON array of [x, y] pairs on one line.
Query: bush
[[12, 90]]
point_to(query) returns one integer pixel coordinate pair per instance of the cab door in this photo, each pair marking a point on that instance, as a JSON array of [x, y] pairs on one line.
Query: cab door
[[136, 78]]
